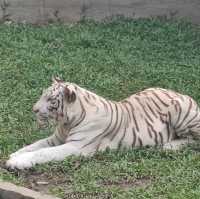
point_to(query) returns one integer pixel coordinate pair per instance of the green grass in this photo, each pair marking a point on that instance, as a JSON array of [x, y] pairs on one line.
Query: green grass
[[113, 59]]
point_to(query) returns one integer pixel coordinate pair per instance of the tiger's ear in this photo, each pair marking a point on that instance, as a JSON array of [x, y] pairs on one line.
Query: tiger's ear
[[70, 95], [57, 80]]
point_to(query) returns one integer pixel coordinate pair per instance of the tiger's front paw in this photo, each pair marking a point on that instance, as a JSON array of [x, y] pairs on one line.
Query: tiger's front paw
[[23, 161], [17, 153]]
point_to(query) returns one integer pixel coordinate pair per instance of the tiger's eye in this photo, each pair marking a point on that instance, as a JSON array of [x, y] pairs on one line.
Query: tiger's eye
[[53, 102]]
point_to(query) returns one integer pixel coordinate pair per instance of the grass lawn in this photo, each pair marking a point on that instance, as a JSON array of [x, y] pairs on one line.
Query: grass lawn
[[113, 59]]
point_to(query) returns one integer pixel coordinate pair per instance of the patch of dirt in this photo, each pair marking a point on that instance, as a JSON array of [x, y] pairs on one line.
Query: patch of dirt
[[44, 181], [128, 183], [41, 181]]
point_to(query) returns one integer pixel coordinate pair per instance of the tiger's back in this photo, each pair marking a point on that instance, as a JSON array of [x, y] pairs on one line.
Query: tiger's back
[[154, 116]]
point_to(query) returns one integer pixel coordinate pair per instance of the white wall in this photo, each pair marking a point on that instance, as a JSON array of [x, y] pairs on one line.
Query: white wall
[[43, 11]]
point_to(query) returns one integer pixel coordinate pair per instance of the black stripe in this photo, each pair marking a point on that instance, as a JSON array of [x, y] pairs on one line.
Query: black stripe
[[105, 130], [161, 137], [122, 138], [161, 117], [134, 138], [167, 94], [151, 129], [155, 133], [129, 115], [152, 111], [58, 138], [82, 116], [115, 125], [155, 103], [179, 113], [125, 129], [195, 116], [105, 105], [168, 131], [62, 104], [75, 140], [186, 115], [143, 107], [117, 130], [88, 101], [134, 118], [195, 124], [157, 96], [168, 117], [140, 141]]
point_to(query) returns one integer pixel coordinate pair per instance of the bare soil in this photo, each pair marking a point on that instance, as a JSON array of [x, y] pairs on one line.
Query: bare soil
[[126, 183]]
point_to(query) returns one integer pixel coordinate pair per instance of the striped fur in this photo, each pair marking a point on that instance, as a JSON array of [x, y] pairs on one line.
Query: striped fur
[[154, 116], [88, 123]]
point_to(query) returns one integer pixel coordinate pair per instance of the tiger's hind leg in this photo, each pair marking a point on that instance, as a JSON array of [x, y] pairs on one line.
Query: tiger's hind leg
[[195, 132], [178, 144], [187, 119]]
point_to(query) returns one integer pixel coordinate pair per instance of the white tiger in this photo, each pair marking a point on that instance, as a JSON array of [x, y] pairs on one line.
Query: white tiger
[[86, 123]]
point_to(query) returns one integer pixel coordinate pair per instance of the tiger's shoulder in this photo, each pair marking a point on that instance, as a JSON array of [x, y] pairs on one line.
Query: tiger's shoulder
[[169, 93], [162, 95]]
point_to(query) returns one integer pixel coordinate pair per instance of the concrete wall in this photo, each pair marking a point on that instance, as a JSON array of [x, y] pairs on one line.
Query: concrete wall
[[44, 11]]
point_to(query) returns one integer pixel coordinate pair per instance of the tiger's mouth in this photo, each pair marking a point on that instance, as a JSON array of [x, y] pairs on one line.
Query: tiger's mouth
[[44, 121]]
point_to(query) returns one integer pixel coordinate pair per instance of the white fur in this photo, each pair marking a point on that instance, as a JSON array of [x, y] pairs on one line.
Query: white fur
[[97, 130], [177, 144], [35, 146], [29, 159]]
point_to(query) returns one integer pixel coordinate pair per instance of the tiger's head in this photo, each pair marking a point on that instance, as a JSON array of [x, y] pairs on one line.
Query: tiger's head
[[54, 102]]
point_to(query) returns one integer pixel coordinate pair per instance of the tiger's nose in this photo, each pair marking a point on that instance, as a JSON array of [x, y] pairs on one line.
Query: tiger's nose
[[35, 109]]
